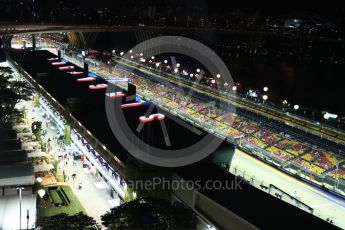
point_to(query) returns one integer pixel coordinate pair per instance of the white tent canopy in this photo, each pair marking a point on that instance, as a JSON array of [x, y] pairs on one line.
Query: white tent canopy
[[30, 145], [25, 135], [36, 153], [43, 167]]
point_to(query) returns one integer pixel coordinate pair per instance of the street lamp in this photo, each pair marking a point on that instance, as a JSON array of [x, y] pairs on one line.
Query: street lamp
[[218, 75], [41, 193], [122, 53], [165, 61], [198, 70], [265, 89], [130, 51], [328, 115], [213, 81], [157, 64], [109, 66], [175, 70], [20, 206], [234, 88], [265, 97], [153, 57], [39, 179], [296, 107], [177, 65]]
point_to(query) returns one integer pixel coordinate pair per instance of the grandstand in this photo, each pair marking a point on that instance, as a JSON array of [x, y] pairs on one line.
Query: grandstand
[[285, 145], [315, 156]]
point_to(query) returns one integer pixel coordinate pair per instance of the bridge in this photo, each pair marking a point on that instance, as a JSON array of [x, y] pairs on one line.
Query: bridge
[[11, 28]]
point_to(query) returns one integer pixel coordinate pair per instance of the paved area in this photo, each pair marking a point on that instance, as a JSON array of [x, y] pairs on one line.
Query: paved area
[[9, 210], [94, 200], [95, 194]]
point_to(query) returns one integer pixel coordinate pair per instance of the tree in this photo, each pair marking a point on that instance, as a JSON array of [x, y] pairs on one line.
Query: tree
[[36, 99], [150, 213], [36, 128], [129, 196], [67, 136], [62, 221], [12, 92]]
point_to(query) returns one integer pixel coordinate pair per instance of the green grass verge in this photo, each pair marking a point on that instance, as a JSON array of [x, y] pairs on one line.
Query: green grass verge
[[55, 196], [48, 209], [59, 178]]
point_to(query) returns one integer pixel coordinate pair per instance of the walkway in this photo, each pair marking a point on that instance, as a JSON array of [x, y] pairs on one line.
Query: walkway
[[95, 194]]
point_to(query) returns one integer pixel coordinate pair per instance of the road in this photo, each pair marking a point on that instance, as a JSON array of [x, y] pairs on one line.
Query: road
[[325, 205]]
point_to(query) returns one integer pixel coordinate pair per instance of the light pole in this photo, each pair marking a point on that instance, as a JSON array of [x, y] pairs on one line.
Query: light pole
[[336, 181], [296, 107], [285, 103], [41, 193], [264, 97], [20, 206], [27, 219], [109, 66], [51, 17]]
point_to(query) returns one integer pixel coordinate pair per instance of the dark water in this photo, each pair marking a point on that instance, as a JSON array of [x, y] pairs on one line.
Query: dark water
[[310, 84]]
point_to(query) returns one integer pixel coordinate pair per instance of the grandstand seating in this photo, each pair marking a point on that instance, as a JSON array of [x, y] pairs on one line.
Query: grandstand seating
[[327, 161], [279, 153], [255, 142], [340, 174], [306, 165], [282, 146], [308, 157]]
